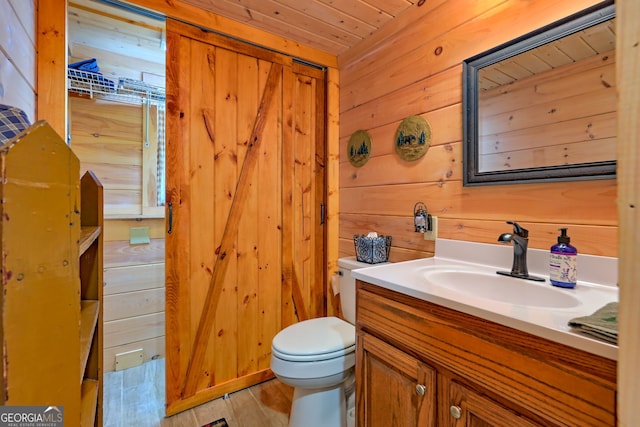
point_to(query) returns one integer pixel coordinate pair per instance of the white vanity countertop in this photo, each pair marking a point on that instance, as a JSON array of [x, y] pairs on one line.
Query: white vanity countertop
[[597, 286]]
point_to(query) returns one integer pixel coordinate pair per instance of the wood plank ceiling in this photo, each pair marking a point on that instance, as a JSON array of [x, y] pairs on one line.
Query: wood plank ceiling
[[596, 40], [332, 26], [126, 44]]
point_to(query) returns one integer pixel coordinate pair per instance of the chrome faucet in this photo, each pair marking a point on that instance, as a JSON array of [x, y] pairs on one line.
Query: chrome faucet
[[520, 240]]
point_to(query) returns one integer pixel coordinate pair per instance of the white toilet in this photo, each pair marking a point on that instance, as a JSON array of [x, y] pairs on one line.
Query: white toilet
[[317, 357]]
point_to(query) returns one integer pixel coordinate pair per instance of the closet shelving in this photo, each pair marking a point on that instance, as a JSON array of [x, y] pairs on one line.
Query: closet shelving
[[151, 98], [120, 89]]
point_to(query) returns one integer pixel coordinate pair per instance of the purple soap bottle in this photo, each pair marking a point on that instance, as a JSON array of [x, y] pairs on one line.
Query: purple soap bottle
[[563, 261]]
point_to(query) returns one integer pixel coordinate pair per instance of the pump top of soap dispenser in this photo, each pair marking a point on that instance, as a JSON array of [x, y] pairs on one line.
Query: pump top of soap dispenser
[[563, 238]]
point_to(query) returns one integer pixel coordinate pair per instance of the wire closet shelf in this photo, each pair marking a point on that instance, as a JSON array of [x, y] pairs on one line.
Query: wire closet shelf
[[115, 89]]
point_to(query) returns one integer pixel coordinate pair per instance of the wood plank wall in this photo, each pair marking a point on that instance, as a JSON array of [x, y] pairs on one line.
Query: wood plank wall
[[628, 75], [116, 137], [107, 138], [134, 291], [18, 55], [413, 67]]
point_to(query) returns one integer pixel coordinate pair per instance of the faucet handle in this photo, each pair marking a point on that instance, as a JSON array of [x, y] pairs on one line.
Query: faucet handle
[[517, 229]]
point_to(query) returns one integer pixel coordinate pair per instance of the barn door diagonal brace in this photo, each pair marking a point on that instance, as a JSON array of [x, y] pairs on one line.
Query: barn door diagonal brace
[[229, 235]]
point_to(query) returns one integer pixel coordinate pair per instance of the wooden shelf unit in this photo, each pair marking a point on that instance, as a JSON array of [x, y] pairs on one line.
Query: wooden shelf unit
[[51, 298], [88, 320], [91, 282], [89, 409]]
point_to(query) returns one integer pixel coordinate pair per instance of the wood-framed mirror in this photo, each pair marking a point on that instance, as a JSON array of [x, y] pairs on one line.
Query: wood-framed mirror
[[542, 107]]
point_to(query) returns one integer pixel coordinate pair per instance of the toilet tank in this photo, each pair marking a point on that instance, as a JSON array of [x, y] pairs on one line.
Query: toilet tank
[[348, 286]]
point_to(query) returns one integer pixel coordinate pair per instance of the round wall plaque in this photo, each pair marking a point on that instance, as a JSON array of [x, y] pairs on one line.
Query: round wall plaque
[[413, 138], [359, 148]]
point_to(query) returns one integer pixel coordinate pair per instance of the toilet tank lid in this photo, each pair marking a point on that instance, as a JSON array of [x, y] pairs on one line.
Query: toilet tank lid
[[351, 263], [323, 335]]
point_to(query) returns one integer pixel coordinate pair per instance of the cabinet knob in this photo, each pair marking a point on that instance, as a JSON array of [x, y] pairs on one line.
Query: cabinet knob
[[421, 389], [456, 411]]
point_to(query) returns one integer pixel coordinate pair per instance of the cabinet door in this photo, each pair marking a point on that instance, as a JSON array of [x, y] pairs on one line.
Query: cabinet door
[[468, 408], [394, 389]]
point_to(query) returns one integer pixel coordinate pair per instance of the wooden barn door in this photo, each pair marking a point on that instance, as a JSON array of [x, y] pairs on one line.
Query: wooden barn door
[[245, 185]]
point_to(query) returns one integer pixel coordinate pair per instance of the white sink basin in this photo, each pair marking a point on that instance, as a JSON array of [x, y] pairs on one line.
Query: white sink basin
[[462, 276], [468, 282]]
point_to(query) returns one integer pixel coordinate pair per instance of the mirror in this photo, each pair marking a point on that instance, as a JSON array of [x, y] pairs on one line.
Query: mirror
[[543, 107]]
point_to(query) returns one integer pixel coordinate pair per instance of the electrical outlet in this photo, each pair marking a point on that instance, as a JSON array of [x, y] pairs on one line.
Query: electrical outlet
[[431, 235], [129, 359]]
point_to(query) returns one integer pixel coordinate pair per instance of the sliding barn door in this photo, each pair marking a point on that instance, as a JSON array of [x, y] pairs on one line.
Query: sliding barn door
[[245, 174]]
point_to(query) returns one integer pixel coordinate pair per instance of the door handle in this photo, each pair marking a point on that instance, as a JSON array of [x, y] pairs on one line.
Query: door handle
[[170, 230]]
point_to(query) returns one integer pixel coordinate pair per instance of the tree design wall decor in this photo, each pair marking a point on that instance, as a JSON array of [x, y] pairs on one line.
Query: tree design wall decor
[[359, 148], [413, 138]]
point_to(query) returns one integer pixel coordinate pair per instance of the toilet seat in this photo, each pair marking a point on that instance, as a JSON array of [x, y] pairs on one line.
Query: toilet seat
[[318, 339]]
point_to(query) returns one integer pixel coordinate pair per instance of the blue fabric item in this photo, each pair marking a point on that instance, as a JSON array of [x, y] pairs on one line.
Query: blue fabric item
[[90, 65], [12, 121]]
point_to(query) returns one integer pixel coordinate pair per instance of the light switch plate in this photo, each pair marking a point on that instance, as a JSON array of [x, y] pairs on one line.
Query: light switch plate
[[433, 234]]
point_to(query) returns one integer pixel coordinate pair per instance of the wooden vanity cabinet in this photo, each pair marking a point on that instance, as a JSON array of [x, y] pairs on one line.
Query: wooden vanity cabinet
[[474, 372]]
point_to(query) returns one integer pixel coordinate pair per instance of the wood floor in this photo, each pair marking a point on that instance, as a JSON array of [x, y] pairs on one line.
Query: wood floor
[[134, 397]]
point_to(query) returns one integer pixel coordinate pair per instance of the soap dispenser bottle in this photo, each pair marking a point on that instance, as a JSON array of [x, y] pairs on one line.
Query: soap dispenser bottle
[[563, 262]]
